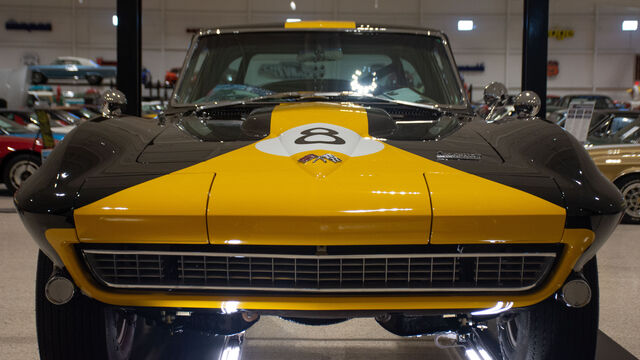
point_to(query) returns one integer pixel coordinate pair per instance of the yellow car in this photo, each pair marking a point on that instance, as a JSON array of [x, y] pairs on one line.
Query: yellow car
[[319, 171]]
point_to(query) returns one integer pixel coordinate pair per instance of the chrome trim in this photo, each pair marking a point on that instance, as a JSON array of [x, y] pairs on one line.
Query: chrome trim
[[321, 257]]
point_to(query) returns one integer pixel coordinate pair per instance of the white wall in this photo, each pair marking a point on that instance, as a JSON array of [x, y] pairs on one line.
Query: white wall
[[83, 28]]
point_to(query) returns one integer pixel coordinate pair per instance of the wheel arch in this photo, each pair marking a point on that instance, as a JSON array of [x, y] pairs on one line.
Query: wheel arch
[[627, 173]]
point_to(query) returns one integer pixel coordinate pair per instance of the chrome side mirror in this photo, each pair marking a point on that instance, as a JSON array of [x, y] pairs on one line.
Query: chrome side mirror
[[495, 94], [113, 103], [527, 104]]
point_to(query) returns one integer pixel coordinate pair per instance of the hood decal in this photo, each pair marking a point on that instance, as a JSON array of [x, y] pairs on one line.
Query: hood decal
[[319, 137]]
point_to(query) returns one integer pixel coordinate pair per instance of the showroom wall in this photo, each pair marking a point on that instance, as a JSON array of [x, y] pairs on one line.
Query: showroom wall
[[598, 57]]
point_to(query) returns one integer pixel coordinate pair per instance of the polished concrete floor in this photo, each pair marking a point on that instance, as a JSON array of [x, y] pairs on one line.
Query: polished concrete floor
[[274, 338]]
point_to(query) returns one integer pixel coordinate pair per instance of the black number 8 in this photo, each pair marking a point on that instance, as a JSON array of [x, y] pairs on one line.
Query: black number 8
[[320, 131]]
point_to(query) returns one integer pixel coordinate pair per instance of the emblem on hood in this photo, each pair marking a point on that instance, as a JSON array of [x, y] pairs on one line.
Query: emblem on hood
[[324, 158], [441, 155]]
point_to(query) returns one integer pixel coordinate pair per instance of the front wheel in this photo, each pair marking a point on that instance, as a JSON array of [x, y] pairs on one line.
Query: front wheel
[[550, 330], [19, 169], [82, 328]]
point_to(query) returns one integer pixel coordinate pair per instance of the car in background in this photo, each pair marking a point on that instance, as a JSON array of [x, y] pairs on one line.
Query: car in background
[[171, 77], [618, 158], [603, 122], [601, 102], [62, 122], [19, 159], [9, 127], [69, 67], [151, 109], [553, 100]]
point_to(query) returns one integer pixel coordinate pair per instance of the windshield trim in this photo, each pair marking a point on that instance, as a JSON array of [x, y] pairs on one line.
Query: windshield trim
[[359, 28]]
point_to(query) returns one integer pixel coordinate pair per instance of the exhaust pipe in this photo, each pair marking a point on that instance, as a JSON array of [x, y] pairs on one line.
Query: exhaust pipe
[[575, 293], [59, 290]]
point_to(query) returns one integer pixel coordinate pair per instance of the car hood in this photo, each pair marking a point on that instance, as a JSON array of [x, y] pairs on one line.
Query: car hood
[[319, 178]]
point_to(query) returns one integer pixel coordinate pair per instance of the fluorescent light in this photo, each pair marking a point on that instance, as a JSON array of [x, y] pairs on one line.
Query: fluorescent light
[[465, 25], [630, 25], [472, 354], [293, 5], [499, 308], [293, 20], [230, 353], [114, 20]]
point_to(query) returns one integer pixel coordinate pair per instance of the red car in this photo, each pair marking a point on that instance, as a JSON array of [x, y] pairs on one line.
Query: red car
[[19, 158]]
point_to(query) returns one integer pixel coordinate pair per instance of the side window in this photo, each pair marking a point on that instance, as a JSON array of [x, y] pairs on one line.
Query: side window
[[631, 136], [414, 80], [618, 123]]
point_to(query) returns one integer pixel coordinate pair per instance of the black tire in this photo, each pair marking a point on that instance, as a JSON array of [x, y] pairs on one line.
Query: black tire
[[94, 79], [38, 78], [18, 169], [630, 188], [550, 330], [82, 328]]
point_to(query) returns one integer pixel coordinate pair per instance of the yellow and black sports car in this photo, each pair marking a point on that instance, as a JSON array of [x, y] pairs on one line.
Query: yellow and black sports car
[[319, 171]]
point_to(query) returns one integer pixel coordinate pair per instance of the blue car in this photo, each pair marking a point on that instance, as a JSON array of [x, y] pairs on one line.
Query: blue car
[[68, 67]]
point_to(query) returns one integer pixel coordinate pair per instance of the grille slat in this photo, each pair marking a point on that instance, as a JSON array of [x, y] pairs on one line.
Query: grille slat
[[306, 273]]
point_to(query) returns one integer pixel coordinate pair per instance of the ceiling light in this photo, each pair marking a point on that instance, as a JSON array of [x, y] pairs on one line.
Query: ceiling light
[[293, 5], [114, 20], [630, 25], [465, 25], [293, 20]]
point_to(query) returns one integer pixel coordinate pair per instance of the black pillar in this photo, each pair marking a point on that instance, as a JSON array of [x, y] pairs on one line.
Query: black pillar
[[534, 49], [129, 53]]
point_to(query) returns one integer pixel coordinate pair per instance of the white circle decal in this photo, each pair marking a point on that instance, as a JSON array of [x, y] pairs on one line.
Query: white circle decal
[[319, 136]]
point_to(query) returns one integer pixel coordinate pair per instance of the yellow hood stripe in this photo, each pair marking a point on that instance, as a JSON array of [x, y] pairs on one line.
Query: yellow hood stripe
[[377, 198]]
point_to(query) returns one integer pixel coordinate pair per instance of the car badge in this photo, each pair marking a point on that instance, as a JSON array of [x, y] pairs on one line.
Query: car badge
[[441, 155], [324, 158]]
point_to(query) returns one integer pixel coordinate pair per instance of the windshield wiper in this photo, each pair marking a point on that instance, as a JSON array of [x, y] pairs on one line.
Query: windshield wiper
[[309, 95]]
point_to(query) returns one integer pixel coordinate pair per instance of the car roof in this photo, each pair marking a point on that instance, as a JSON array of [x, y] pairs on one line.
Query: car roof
[[325, 25], [83, 61]]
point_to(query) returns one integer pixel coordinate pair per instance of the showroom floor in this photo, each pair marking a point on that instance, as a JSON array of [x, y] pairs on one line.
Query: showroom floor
[[273, 338]]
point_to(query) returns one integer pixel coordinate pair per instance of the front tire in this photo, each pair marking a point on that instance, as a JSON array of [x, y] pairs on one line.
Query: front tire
[[19, 169], [82, 328], [550, 330]]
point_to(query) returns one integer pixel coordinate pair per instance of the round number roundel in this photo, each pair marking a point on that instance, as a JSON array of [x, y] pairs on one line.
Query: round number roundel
[[319, 136]]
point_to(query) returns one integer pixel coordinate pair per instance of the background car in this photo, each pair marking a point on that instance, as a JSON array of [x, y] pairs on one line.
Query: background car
[[618, 158], [601, 102], [61, 122], [69, 67], [19, 159], [603, 122]]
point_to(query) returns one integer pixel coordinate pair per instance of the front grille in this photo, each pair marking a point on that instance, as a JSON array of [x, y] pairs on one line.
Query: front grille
[[453, 272]]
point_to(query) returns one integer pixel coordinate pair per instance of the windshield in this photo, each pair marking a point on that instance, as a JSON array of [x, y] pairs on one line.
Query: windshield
[[244, 66], [12, 127]]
